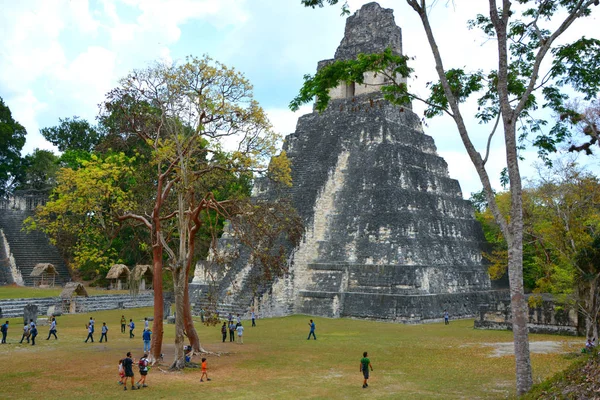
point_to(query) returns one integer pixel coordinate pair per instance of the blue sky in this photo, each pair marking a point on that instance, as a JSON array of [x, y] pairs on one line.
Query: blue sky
[[58, 57]]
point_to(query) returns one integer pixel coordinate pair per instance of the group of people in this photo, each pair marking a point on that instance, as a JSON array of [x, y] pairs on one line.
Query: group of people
[[30, 331], [90, 327], [126, 371], [233, 328]]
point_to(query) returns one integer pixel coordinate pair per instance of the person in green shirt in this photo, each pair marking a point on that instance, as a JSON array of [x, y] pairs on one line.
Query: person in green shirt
[[123, 323], [365, 364]]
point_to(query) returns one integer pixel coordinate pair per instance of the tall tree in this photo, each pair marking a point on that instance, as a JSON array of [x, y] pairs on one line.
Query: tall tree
[[73, 134], [12, 140], [526, 37], [40, 168], [186, 114]]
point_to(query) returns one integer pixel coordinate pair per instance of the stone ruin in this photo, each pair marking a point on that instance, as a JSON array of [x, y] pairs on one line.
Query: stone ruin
[[388, 235]]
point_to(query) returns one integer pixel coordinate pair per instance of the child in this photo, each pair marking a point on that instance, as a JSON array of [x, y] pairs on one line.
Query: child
[[121, 372], [104, 332], [240, 332], [204, 371], [365, 364], [143, 364]]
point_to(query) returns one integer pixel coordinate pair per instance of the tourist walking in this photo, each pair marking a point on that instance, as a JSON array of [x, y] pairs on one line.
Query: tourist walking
[[365, 364], [204, 370], [446, 317], [131, 328], [92, 322], [230, 318], [4, 330], [123, 323], [90, 330], [312, 330], [202, 314], [146, 323], [253, 316], [224, 331], [128, 367], [143, 364], [121, 372], [231, 332], [104, 332], [52, 330], [146, 336], [240, 333], [33, 332], [239, 319], [26, 328]]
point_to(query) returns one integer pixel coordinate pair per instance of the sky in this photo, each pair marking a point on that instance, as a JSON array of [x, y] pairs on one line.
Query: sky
[[58, 58]]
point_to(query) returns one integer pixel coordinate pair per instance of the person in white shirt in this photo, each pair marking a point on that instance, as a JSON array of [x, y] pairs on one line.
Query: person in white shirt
[[52, 329], [90, 329], [104, 332], [146, 323], [240, 333], [26, 328]]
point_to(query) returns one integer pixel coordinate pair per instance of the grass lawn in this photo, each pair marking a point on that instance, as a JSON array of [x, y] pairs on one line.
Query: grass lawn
[[276, 361], [20, 292]]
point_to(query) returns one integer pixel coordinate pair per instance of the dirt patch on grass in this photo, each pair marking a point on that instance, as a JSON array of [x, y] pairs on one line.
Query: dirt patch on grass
[[544, 347]]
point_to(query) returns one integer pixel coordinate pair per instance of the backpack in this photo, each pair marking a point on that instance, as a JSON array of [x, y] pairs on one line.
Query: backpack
[[143, 364], [4, 328]]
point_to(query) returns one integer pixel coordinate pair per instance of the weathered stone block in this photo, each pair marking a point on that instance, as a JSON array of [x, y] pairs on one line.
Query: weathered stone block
[[30, 312]]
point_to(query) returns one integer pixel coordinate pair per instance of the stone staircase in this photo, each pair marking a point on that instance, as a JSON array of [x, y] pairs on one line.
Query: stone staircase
[[28, 249], [14, 307], [5, 275]]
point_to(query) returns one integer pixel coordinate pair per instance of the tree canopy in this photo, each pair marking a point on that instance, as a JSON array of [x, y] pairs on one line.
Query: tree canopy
[[12, 140]]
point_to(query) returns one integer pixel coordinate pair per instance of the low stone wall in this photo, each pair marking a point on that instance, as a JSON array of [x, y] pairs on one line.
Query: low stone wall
[[13, 308], [550, 317]]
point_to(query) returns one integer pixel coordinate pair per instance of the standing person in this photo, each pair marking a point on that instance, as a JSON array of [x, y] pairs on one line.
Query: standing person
[[123, 323], [239, 319], [224, 331], [4, 330], [131, 328], [146, 323], [204, 371], [253, 318], [202, 314], [231, 332], [104, 332], [128, 367], [121, 372], [446, 317], [90, 329], [240, 333], [230, 318], [143, 364], [312, 330], [365, 364], [146, 336], [92, 322], [26, 328], [52, 330], [33, 332]]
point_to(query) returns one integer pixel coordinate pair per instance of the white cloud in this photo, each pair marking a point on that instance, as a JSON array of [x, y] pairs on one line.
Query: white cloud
[[284, 121]]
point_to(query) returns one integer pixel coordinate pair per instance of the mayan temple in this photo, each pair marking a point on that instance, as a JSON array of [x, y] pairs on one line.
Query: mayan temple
[[388, 233]]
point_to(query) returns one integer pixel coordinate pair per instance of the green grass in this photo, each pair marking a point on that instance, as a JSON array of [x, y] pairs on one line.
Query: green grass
[[20, 292], [277, 362]]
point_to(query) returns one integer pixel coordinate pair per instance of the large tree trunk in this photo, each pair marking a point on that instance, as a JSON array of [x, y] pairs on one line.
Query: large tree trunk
[[591, 317], [179, 289], [157, 324], [188, 321]]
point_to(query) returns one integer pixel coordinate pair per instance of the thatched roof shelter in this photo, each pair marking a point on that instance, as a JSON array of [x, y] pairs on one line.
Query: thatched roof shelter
[[118, 271], [142, 271], [42, 268], [73, 289]]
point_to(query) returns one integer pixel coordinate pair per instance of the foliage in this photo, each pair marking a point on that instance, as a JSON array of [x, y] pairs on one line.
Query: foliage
[[12, 140], [73, 134], [40, 170]]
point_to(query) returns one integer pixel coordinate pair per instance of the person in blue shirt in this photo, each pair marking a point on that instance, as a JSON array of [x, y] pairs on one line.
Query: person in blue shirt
[[312, 330], [104, 332], [131, 328], [4, 330], [146, 336]]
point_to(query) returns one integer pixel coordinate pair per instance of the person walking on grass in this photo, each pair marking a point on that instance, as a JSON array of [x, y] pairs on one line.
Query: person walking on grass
[[128, 368], [231, 332], [224, 331], [25, 332], [4, 330], [253, 318], [90, 329], [240, 333], [143, 364], [104, 332], [146, 323], [312, 330], [204, 371], [52, 330], [123, 323], [365, 364], [146, 336], [446, 318], [131, 328], [92, 323], [121, 372], [33, 332]]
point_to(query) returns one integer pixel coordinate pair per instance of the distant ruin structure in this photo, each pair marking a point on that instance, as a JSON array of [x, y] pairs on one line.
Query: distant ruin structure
[[388, 234]]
